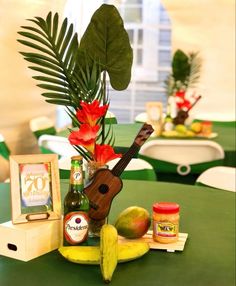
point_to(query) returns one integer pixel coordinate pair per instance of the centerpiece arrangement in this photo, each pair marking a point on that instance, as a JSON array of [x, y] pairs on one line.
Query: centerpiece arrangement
[[182, 97], [74, 74]]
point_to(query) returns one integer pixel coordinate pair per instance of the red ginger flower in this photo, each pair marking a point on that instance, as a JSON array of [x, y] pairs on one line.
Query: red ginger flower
[[91, 112], [104, 153], [85, 136], [180, 93], [181, 101]]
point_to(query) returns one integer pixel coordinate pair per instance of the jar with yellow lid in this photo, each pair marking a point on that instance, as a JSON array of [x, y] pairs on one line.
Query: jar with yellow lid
[[165, 222]]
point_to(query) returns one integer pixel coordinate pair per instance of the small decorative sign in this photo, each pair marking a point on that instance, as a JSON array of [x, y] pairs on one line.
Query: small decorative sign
[[35, 188], [154, 113]]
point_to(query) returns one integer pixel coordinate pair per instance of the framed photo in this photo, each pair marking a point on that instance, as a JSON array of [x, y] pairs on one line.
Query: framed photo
[[35, 188], [155, 114]]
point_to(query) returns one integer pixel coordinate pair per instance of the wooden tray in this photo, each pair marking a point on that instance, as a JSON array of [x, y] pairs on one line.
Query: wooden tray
[[169, 247]]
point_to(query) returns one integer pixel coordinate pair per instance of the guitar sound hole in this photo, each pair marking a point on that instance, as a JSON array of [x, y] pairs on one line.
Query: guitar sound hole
[[103, 189]]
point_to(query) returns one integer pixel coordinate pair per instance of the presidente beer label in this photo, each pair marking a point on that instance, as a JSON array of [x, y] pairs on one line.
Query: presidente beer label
[[76, 227]]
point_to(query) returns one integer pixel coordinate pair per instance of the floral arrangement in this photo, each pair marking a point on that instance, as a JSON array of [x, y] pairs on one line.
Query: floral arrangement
[[180, 83], [86, 136], [75, 74], [182, 97]]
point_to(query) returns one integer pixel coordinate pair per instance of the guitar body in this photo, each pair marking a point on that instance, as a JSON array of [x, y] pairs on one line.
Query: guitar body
[[103, 188]]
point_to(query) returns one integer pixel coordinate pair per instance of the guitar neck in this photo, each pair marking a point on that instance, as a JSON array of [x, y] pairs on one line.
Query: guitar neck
[[124, 161]]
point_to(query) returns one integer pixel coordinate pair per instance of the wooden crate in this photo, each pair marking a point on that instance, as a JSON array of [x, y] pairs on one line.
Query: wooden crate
[[29, 240]]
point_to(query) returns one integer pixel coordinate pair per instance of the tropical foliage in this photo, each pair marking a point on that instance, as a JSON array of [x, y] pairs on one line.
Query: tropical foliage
[[73, 73], [185, 72]]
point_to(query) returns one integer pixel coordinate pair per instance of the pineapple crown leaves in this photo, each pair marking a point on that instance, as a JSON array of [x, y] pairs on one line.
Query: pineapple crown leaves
[[185, 72]]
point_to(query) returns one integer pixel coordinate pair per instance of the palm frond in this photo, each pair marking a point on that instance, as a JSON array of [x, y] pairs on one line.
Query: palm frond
[[73, 117], [109, 137], [63, 69], [82, 152], [56, 56], [195, 69]]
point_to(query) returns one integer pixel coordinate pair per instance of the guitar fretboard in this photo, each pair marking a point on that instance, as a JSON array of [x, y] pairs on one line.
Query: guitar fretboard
[[124, 161]]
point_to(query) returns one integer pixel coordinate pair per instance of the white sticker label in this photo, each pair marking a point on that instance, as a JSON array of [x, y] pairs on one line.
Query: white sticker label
[[76, 227]]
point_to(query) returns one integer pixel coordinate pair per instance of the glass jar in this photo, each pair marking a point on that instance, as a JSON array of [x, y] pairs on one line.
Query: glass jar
[[206, 128], [165, 222]]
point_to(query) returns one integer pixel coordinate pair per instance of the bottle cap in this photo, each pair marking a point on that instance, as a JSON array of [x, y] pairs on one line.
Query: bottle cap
[[76, 158], [165, 208]]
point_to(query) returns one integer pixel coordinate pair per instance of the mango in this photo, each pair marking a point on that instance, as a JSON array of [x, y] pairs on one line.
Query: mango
[[196, 127], [133, 222]]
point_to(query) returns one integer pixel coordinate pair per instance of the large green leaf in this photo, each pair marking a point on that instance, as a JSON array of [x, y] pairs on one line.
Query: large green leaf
[[180, 66], [106, 41]]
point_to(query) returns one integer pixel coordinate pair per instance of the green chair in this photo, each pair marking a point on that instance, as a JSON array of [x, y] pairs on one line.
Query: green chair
[[137, 169], [181, 160], [4, 150], [141, 117], [56, 144], [219, 177], [42, 125], [64, 164], [110, 118]]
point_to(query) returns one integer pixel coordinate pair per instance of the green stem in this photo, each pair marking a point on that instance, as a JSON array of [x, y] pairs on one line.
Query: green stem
[[103, 102]]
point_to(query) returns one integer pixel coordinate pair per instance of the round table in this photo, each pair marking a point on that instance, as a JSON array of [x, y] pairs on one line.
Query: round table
[[208, 259]]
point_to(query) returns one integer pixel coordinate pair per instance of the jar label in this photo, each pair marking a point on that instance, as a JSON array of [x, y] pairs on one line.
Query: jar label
[[165, 229], [76, 227]]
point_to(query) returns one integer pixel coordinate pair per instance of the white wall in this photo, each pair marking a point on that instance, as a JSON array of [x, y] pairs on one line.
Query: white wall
[[208, 26]]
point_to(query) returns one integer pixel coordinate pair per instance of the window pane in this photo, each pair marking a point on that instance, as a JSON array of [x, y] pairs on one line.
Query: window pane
[[133, 15], [121, 98], [163, 76], [164, 58], [139, 56], [140, 37], [143, 96], [164, 18], [131, 35], [165, 37], [133, 1]]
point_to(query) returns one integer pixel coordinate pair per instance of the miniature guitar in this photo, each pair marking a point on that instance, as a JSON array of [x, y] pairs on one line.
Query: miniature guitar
[[106, 184], [182, 115]]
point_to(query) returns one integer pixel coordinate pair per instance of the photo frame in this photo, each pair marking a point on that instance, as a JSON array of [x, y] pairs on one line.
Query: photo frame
[[35, 188], [155, 116]]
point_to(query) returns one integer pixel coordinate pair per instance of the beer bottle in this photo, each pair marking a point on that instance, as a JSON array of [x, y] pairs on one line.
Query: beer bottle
[[168, 121], [76, 206]]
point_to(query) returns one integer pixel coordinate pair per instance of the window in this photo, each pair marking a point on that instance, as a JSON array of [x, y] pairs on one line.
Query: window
[[149, 30]]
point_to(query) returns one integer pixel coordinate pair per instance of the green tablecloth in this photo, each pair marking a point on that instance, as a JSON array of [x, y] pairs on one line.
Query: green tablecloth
[[125, 134], [207, 215]]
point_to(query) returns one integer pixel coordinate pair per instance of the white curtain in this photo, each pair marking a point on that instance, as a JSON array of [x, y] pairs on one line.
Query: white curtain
[[20, 98]]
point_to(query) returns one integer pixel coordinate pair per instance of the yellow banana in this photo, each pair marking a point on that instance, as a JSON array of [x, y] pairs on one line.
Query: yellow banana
[[131, 250], [81, 254], [91, 254], [108, 251]]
